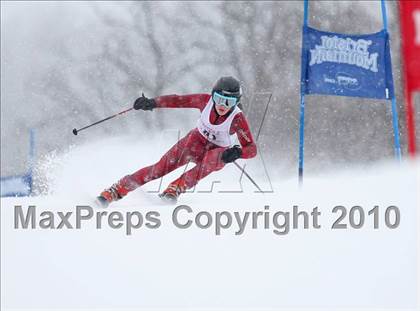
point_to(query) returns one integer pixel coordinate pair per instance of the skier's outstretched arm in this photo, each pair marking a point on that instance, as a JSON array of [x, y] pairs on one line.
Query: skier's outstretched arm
[[198, 101]]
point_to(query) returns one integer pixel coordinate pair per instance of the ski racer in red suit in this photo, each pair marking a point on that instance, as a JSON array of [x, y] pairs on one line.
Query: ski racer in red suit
[[208, 145]]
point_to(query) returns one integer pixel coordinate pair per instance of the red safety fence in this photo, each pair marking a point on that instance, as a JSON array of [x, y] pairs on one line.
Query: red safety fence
[[410, 40]]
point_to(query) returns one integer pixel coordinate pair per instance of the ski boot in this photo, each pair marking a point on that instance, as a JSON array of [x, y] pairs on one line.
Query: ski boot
[[113, 193], [173, 191]]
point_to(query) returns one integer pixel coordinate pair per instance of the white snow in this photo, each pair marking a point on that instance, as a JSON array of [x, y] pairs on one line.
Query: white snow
[[193, 268]]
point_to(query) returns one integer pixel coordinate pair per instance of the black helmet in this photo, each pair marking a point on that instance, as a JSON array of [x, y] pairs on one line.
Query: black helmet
[[228, 86]]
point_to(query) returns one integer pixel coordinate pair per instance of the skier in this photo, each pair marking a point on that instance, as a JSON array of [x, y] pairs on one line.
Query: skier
[[209, 145]]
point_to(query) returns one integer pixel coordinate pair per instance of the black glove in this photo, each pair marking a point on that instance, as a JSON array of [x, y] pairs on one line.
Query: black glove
[[231, 154], [144, 103]]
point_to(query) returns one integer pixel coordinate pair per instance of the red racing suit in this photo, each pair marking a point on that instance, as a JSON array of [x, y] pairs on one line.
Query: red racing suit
[[194, 147]]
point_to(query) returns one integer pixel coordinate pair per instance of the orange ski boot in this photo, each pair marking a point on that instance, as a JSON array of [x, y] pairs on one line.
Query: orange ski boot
[[173, 191], [113, 193]]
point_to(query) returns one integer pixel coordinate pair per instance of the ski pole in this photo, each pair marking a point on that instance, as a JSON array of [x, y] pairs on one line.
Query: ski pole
[[75, 131], [247, 175]]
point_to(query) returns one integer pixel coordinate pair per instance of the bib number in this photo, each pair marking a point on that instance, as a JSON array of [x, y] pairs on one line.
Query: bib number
[[210, 136]]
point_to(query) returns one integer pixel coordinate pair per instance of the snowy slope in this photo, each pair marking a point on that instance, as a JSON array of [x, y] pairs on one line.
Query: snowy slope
[[195, 268]]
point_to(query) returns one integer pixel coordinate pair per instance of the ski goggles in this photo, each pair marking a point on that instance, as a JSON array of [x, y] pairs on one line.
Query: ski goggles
[[225, 101]]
